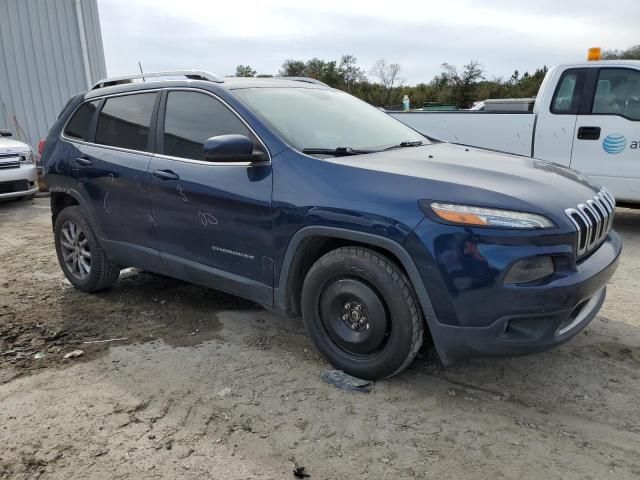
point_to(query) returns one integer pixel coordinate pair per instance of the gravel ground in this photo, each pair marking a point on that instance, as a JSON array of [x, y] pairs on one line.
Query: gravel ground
[[205, 385]]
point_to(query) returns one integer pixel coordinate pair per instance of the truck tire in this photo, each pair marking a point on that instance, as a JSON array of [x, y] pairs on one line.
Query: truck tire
[[361, 313], [81, 257]]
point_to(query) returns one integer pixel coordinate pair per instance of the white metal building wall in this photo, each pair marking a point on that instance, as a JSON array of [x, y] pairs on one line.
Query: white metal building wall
[[42, 63]]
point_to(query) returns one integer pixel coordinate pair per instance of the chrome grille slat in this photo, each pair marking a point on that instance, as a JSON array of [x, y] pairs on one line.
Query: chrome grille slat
[[591, 205], [593, 219], [12, 164]]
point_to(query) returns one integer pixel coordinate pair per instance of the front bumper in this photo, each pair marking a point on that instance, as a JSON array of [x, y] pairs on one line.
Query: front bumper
[[492, 319], [18, 182]]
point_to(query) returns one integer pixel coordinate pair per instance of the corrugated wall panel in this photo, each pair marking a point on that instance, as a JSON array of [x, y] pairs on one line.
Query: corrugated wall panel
[[94, 40], [41, 62]]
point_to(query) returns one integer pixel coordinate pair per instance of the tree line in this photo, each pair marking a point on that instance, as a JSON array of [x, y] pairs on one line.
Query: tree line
[[384, 85]]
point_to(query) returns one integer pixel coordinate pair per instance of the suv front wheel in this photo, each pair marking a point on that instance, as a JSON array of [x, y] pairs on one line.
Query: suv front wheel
[[361, 313], [81, 257]]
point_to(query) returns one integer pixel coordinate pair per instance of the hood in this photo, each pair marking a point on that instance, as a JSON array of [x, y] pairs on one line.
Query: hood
[[8, 145], [474, 176]]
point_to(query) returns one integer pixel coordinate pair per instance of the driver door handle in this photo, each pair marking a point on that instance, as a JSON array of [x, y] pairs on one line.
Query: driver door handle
[[166, 175], [83, 161], [589, 133]]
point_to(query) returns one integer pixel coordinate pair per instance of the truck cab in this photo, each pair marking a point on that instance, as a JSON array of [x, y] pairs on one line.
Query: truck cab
[[586, 116]]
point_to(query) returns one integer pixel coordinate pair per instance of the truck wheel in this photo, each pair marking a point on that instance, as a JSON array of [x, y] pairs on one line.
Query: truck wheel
[[83, 261], [361, 313]]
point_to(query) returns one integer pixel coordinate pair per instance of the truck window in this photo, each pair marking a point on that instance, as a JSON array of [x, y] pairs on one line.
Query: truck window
[[78, 126], [124, 121], [618, 93], [566, 99], [192, 118]]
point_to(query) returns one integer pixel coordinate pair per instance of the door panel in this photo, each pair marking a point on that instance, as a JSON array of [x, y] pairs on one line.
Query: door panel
[[215, 215], [611, 158], [214, 220], [113, 172], [556, 121]]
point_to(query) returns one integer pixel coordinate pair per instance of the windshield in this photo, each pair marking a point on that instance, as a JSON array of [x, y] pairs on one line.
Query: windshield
[[310, 118]]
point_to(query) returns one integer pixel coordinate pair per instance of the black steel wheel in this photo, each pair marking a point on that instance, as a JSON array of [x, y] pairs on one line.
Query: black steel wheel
[[361, 313]]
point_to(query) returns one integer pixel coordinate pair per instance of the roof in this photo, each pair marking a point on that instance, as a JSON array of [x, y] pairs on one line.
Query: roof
[[602, 63], [233, 83], [181, 78]]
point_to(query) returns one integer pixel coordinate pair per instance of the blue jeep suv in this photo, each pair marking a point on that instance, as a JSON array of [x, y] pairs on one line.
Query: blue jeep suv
[[309, 201]]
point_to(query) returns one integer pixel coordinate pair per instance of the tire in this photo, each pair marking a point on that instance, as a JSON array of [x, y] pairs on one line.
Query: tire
[[74, 239], [361, 313]]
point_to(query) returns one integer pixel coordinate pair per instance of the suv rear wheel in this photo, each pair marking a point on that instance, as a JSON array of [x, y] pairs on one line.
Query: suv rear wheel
[[83, 261], [361, 313]]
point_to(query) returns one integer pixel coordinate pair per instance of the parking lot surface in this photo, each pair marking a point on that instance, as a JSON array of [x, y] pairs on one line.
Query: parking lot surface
[[178, 381]]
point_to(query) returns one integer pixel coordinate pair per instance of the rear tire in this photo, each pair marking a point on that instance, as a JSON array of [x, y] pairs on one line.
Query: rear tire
[[361, 313], [82, 259]]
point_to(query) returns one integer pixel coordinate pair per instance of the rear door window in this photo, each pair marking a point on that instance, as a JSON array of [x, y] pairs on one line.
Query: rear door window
[[80, 124], [617, 93], [192, 118], [125, 121]]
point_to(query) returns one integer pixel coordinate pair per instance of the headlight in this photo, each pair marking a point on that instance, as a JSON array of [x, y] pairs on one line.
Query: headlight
[[29, 158], [487, 217]]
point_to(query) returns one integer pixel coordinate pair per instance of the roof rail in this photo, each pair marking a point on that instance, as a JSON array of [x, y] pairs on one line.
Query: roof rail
[[305, 79], [191, 74]]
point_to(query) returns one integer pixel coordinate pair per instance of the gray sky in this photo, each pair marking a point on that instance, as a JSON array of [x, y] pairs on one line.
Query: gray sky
[[503, 35]]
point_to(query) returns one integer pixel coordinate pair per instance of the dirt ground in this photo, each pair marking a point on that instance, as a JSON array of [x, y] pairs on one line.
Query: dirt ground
[[205, 385]]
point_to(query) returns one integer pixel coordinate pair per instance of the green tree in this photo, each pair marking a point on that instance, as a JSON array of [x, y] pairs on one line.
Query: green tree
[[245, 71], [292, 68], [350, 73], [631, 53]]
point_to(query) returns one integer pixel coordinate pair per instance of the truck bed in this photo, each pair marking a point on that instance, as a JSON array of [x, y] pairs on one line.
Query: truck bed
[[505, 132]]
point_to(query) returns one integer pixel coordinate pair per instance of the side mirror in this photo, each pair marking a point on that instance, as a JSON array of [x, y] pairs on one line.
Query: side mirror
[[5, 133], [231, 148]]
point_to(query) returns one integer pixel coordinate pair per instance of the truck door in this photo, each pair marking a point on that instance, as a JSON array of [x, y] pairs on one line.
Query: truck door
[[606, 145], [556, 120]]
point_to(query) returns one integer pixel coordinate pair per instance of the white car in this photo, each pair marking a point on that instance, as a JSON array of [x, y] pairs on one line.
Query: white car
[[586, 116], [18, 173]]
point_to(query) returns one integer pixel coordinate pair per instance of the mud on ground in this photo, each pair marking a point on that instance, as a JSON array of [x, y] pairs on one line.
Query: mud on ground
[[205, 385]]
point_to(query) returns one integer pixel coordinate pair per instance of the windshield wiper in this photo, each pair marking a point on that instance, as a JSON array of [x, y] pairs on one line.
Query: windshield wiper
[[337, 152], [417, 143]]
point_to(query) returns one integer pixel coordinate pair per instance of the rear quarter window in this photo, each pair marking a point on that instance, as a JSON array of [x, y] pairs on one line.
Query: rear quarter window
[[80, 123], [125, 121]]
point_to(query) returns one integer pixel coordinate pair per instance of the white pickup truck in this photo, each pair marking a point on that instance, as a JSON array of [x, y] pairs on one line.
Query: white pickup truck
[[586, 116]]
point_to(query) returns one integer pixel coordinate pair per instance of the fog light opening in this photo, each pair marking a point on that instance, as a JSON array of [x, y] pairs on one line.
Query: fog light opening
[[530, 270]]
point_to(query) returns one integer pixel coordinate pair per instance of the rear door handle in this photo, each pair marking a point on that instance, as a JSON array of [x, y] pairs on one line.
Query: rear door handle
[[589, 133], [83, 161], [166, 175]]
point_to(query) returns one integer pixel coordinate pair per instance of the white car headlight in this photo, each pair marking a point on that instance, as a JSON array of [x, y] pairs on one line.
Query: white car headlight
[[489, 217], [28, 158]]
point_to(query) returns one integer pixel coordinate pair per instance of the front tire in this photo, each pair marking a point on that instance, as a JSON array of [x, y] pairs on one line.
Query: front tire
[[82, 259], [361, 313]]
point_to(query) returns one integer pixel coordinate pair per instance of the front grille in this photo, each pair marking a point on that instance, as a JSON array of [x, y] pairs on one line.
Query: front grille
[[14, 186], [593, 220], [9, 161]]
